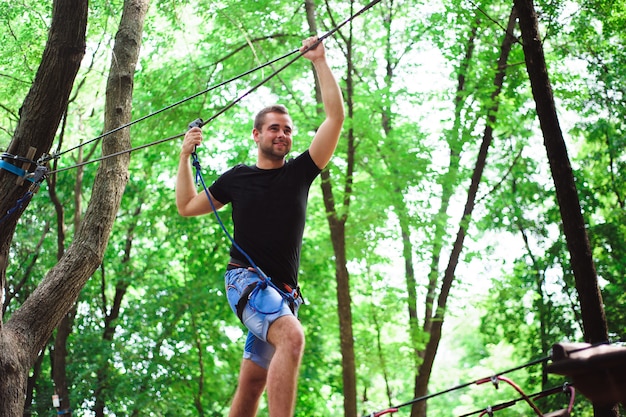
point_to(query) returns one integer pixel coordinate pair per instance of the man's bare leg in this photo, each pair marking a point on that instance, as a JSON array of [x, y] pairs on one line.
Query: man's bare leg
[[287, 336], [251, 384]]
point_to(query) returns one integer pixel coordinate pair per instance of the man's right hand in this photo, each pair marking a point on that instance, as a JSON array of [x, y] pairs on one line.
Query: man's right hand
[[193, 139]]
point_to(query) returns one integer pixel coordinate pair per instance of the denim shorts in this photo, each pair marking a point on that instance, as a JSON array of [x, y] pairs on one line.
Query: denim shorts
[[264, 307]]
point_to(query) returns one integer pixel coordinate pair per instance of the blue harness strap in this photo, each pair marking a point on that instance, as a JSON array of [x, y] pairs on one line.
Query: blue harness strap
[[15, 170]]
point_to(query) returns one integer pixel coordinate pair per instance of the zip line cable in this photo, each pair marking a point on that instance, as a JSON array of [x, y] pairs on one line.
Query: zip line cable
[[455, 388], [494, 379], [202, 123], [566, 388], [205, 91], [147, 145]]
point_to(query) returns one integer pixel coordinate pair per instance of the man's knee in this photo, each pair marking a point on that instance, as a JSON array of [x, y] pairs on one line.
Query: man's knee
[[296, 343], [286, 333]]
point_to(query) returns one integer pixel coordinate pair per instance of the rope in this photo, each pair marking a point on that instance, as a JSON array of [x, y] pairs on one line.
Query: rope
[[20, 203], [517, 388], [499, 377], [275, 73], [223, 83], [461, 386], [227, 107], [566, 388], [102, 158]]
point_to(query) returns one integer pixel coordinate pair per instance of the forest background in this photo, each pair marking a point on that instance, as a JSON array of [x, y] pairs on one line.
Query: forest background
[[382, 266]]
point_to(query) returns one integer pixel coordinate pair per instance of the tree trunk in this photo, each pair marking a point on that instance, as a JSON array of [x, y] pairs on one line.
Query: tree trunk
[[344, 300], [43, 109], [118, 106], [594, 321], [40, 115], [111, 316], [448, 183], [337, 226], [29, 328], [58, 353], [58, 357], [32, 385], [437, 319]]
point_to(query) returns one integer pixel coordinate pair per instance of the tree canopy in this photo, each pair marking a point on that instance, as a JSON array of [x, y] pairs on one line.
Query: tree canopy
[[435, 251]]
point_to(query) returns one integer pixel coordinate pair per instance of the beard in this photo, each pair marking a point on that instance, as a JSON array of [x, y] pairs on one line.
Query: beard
[[273, 151]]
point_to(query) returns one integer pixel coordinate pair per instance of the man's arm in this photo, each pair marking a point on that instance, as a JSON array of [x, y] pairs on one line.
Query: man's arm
[[188, 201], [325, 140]]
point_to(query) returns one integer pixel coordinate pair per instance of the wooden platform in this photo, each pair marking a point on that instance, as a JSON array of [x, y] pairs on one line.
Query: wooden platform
[[598, 372]]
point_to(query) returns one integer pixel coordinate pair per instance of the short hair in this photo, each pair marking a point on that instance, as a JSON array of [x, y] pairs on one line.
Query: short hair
[[260, 116]]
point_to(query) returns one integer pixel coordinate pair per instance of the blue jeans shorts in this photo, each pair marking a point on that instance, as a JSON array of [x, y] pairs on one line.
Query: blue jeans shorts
[[264, 307]]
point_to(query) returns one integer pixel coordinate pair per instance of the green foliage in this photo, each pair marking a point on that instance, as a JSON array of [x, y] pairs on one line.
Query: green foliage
[[177, 346], [22, 39]]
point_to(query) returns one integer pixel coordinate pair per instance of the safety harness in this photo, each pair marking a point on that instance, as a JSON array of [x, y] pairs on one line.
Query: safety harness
[[289, 294]]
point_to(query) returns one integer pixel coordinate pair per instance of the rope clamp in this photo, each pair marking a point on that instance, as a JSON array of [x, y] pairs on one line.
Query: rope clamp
[[44, 158], [38, 175], [196, 123]]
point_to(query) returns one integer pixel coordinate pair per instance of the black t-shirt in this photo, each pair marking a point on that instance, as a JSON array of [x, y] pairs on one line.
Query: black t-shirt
[[269, 209]]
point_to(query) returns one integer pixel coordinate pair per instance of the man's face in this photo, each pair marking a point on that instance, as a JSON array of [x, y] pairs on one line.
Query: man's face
[[274, 139]]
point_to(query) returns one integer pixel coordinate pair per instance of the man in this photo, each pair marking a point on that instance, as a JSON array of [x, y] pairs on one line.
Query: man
[[269, 206]]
